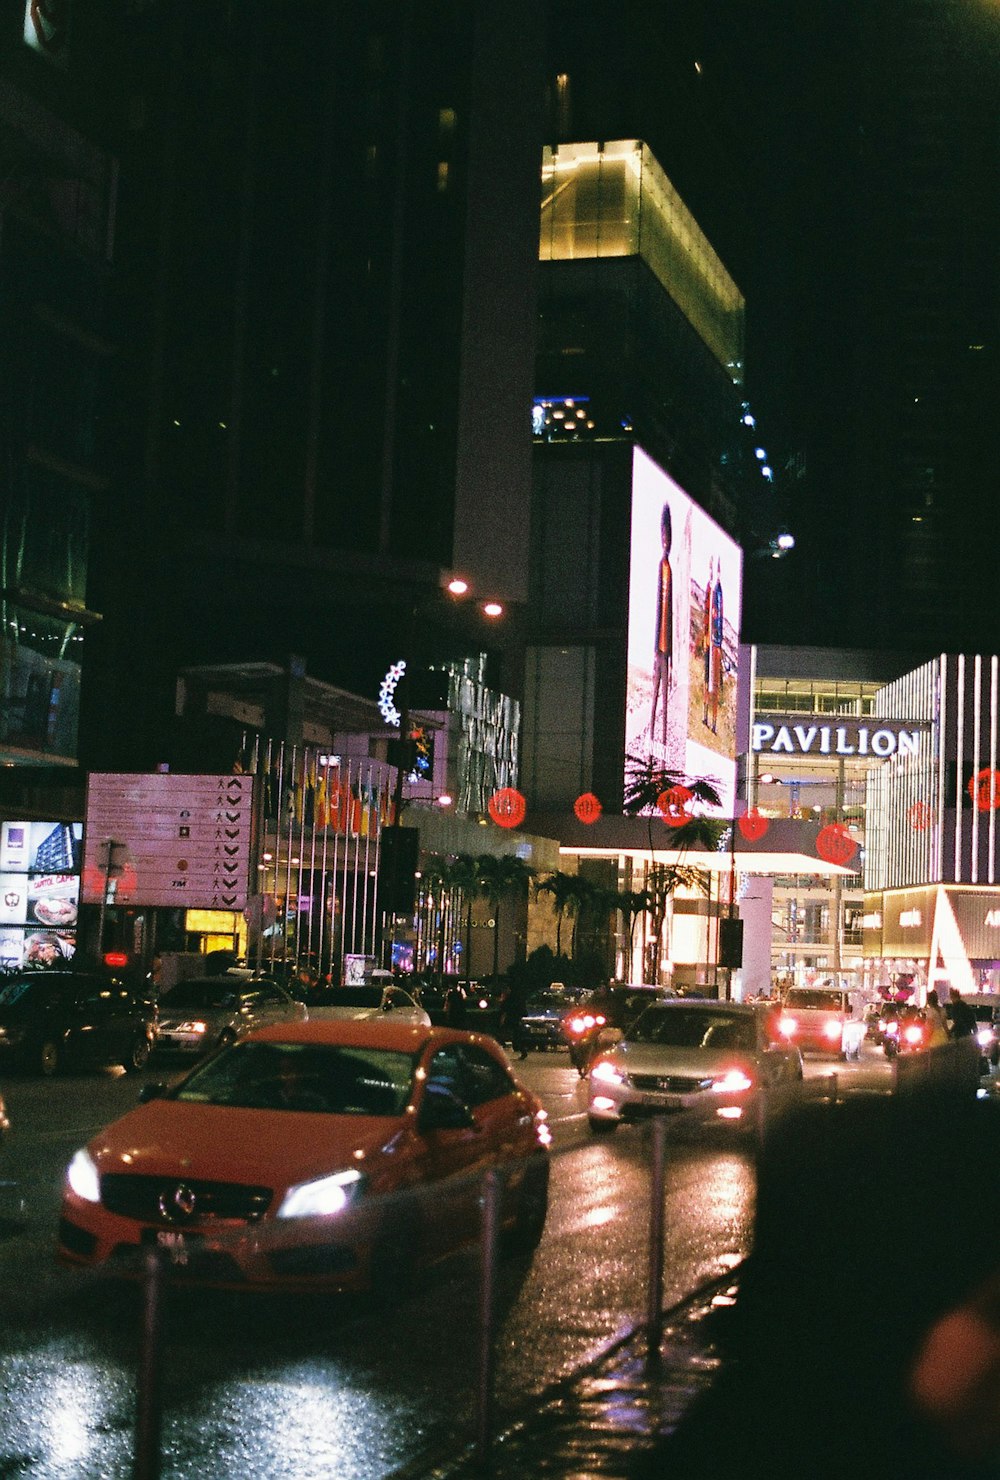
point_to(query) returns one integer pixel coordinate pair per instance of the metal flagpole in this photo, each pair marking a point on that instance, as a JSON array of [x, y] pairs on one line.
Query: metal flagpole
[[314, 787], [323, 881], [288, 853], [278, 794], [333, 879], [347, 799]]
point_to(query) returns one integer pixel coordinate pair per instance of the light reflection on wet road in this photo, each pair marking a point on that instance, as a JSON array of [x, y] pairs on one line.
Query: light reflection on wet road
[[261, 1387]]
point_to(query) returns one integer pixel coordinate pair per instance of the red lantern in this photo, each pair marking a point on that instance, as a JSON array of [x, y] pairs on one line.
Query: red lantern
[[752, 825], [984, 789], [835, 844], [507, 807], [920, 816], [587, 807], [675, 804]]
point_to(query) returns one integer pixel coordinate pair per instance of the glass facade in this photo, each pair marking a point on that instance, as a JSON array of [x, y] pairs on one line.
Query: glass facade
[[816, 922], [54, 269], [615, 201]]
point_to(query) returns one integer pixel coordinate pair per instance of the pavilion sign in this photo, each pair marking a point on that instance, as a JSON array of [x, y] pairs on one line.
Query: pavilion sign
[[787, 734]]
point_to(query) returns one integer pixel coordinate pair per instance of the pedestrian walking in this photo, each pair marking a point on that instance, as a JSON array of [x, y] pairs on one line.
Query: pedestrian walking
[[936, 1020], [512, 1009], [961, 1018]]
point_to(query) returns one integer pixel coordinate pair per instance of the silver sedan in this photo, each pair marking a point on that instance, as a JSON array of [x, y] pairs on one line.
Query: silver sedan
[[208, 1012], [701, 1055]]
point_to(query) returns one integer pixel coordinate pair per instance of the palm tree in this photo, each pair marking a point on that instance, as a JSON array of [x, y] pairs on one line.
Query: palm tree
[[631, 904], [646, 781], [662, 882], [562, 888], [500, 878]]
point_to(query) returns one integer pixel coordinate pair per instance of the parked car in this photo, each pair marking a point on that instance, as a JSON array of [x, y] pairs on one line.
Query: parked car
[[314, 1155], [50, 1020], [689, 1054], [207, 1012], [372, 1002]]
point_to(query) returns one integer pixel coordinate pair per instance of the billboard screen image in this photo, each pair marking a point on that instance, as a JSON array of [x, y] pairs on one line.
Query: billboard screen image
[[685, 596]]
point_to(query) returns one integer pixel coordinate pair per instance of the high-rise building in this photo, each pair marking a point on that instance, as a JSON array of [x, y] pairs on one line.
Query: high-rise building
[[57, 241], [330, 228], [876, 185]]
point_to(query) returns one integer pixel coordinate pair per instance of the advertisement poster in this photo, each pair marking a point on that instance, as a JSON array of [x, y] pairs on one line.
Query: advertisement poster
[[685, 598], [39, 893]]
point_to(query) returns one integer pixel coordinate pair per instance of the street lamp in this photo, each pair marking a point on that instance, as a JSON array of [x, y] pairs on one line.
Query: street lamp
[[458, 588]]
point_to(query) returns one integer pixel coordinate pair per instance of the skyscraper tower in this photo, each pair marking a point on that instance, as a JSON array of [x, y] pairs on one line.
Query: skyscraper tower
[[331, 236]]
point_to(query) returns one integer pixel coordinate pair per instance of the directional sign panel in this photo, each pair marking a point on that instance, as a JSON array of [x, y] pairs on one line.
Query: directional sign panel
[[160, 839]]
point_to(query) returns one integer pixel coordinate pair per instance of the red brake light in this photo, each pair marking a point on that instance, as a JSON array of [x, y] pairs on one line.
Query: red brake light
[[115, 958]]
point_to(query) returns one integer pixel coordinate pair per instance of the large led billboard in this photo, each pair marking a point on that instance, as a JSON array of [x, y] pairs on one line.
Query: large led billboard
[[685, 597]]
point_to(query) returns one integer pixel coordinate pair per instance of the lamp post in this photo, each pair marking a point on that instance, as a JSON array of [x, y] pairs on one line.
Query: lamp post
[[455, 591]]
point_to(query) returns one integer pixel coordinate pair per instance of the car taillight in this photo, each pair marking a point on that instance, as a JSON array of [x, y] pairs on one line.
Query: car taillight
[[985, 1037], [788, 1027], [831, 1029], [891, 1029], [576, 1025], [913, 1033], [599, 1021]]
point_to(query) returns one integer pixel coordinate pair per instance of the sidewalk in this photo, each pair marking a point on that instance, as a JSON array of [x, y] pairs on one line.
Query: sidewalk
[[598, 1421]]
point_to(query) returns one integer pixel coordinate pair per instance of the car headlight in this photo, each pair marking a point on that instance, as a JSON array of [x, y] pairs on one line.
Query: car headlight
[[607, 1073], [322, 1197], [985, 1037], [732, 1082], [83, 1177]]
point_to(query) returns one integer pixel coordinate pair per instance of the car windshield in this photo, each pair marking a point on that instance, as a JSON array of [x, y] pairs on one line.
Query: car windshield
[[321, 1078], [692, 1027], [201, 994], [831, 1001]]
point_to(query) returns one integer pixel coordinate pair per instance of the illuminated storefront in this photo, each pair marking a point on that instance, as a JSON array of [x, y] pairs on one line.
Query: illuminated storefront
[[932, 910], [814, 739]]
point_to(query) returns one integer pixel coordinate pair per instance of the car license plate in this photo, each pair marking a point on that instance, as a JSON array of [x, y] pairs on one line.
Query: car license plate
[[176, 1244], [665, 1101]]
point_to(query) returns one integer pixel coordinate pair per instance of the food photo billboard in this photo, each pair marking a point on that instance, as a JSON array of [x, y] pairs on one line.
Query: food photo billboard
[[685, 600]]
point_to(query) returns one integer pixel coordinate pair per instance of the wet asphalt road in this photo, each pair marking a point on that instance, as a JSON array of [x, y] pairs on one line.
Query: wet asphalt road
[[260, 1387]]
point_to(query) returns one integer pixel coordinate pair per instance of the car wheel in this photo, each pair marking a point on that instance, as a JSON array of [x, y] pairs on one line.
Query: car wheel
[[226, 1038], [601, 1127], [139, 1057], [50, 1057], [532, 1208]]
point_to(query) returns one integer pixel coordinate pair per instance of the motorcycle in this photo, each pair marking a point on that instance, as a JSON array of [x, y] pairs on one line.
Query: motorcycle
[[582, 1031], [905, 1032]]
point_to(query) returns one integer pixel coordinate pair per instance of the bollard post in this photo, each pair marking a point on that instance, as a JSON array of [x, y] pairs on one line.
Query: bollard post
[[149, 1410], [833, 1087], [654, 1291], [492, 1196]]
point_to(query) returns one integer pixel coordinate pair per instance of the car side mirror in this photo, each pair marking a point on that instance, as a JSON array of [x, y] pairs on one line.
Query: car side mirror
[[154, 1091], [443, 1110]]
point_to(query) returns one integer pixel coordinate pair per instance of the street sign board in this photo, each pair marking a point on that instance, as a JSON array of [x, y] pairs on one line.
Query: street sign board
[[163, 839]]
